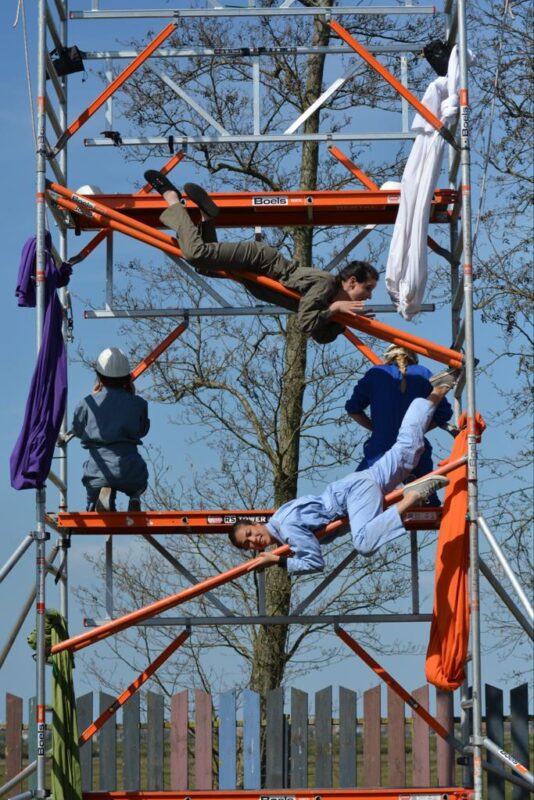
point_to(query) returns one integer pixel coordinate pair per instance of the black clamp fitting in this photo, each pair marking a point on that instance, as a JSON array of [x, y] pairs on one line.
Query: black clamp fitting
[[115, 137]]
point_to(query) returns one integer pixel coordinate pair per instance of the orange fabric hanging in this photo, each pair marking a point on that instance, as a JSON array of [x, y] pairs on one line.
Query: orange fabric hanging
[[449, 632]]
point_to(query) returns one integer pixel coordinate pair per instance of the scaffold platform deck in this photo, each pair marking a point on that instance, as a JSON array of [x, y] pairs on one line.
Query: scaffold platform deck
[[442, 793], [272, 209], [201, 522]]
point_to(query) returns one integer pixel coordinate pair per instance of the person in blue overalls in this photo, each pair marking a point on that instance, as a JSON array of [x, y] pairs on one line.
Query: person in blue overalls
[[387, 391], [110, 422], [359, 496]]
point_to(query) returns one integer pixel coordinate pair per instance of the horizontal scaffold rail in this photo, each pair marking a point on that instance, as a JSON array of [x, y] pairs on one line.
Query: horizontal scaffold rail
[[443, 793], [274, 209], [201, 522], [264, 11]]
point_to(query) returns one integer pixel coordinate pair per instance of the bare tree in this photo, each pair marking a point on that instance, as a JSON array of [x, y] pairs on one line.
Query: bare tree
[[255, 391]]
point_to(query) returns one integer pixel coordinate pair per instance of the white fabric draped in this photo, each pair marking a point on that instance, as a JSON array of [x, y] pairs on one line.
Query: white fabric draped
[[406, 269]]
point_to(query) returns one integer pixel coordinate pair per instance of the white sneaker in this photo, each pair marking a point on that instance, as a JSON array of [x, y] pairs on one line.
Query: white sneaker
[[447, 377], [426, 486]]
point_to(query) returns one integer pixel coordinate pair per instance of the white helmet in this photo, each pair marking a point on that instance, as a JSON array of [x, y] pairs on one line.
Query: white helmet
[[112, 363], [89, 188], [392, 186]]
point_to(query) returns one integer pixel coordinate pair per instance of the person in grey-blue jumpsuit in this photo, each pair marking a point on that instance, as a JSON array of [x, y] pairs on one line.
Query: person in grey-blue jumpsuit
[[110, 422]]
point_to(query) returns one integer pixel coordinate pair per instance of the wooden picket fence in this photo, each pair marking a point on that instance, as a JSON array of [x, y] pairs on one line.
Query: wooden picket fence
[[281, 746]]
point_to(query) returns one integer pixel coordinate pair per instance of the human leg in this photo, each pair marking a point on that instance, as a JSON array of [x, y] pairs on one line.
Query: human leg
[[92, 497], [134, 502], [371, 527], [400, 460], [243, 256]]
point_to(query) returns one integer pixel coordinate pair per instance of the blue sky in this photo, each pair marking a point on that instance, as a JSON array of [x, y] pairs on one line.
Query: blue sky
[[107, 168]]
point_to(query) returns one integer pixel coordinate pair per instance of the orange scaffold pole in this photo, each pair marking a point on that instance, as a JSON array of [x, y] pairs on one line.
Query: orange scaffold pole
[[157, 351], [103, 234], [362, 347], [95, 726], [138, 230], [394, 82], [398, 689], [356, 171], [135, 617], [113, 86]]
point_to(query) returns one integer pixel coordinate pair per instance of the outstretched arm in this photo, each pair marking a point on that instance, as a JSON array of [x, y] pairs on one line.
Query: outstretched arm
[[363, 420], [306, 555]]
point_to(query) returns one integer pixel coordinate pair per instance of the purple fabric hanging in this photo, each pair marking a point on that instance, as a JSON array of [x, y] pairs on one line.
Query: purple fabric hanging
[[32, 455]]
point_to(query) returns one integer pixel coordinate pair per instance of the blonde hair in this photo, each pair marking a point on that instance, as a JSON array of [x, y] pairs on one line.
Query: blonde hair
[[402, 358]]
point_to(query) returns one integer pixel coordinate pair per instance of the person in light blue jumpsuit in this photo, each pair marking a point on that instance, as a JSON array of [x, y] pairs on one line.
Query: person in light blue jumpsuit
[[387, 390], [110, 422], [359, 496]]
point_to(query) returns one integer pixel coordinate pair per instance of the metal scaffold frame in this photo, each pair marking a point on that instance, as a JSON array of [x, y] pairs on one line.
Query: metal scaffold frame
[[138, 219]]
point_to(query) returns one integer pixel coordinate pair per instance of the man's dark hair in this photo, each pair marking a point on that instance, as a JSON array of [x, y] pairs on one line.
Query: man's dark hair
[[361, 270], [234, 529]]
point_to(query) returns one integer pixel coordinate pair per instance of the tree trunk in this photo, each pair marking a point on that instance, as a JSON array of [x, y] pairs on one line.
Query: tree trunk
[[269, 658]]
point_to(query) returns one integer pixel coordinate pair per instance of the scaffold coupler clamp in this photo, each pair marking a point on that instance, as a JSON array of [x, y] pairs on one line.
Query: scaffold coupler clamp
[[40, 536]]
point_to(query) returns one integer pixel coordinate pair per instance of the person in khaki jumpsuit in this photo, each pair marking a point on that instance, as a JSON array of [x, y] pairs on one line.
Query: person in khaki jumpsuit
[[322, 294]]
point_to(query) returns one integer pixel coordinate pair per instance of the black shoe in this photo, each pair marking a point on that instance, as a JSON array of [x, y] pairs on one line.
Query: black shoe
[[201, 198], [134, 504], [160, 182]]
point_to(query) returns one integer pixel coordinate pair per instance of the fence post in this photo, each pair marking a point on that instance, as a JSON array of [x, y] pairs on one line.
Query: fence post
[[13, 738], [84, 712], [154, 738], [179, 741], [274, 740], [371, 737], [420, 742], [203, 741], [495, 732], [323, 737], [348, 722], [519, 733], [396, 740], [131, 754], [251, 740], [107, 745], [444, 752], [227, 741], [299, 740]]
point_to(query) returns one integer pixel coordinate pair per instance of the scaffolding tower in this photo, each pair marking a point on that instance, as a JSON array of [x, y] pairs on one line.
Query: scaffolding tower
[[136, 215]]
